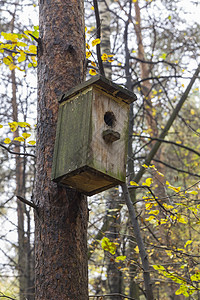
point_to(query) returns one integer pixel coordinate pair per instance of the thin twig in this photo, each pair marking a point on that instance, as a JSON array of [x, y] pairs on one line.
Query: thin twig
[[112, 295], [163, 134], [98, 47], [27, 202], [17, 153], [168, 142], [4, 296]]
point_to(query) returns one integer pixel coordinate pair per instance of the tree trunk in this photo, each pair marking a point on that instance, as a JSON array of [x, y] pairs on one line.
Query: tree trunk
[[20, 190], [62, 215]]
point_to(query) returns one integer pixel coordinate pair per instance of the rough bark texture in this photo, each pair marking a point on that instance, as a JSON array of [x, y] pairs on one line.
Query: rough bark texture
[[61, 220]]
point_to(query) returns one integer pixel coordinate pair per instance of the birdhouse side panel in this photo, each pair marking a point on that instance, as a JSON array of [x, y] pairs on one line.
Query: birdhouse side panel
[[73, 135], [109, 155]]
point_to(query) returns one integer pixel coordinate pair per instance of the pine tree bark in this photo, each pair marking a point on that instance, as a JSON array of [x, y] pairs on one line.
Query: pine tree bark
[[61, 219]]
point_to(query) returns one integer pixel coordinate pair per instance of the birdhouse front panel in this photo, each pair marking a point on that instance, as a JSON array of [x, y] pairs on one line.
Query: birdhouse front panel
[[109, 135], [91, 139]]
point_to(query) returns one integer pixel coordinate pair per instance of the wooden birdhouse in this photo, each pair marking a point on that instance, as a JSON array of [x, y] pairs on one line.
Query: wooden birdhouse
[[92, 133]]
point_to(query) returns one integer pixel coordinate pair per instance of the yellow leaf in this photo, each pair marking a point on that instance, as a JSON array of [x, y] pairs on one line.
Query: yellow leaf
[[22, 57], [107, 245], [150, 218], [154, 212], [167, 206], [24, 124], [32, 143], [134, 183], [87, 46], [1, 126], [92, 8], [192, 192], [188, 243], [195, 277], [148, 182], [148, 206], [96, 42], [7, 60], [13, 126], [137, 249], [145, 166], [21, 44], [19, 139], [121, 257], [192, 111], [104, 57], [12, 66], [93, 64], [161, 174], [175, 189], [7, 141], [10, 36], [88, 54], [92, 72], [158, 267], [33, 49], [26, 135], [181, 219]]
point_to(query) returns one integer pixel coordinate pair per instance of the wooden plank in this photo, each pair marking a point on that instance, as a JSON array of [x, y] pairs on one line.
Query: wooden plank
[[73, 135], [89, 181], [109, 158]]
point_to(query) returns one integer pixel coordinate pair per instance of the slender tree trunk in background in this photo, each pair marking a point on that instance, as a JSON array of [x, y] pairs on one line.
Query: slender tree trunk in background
[[105, 18], [25, 255], [20, 189], [61, 219], [114, 275], [133, 287], [147, 93]]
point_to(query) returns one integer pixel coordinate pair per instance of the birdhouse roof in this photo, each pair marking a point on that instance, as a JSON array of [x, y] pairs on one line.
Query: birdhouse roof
[[107, 86]]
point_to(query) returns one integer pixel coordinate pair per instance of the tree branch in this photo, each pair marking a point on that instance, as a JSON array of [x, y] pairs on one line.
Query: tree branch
[[168, 142], [98, 47], [27, 202], [138, 237], [16, 153], [112, 295], [4, 296], [169, 166], [163, 134]]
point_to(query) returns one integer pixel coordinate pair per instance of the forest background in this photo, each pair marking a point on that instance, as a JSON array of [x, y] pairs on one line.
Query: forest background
[[152, 48]]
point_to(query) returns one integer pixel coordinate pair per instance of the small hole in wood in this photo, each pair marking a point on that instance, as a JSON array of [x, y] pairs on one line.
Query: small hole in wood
[[109, 118]]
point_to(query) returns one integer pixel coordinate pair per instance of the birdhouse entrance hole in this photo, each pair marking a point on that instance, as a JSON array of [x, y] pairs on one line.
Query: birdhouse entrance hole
[[109, 118]]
